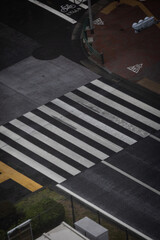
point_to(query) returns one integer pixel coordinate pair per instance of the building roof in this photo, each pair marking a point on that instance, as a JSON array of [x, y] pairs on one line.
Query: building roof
[[63, 231]]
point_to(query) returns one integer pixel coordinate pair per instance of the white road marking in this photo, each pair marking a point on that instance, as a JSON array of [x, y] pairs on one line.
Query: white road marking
[[136, 68], [94, 136], [127, 98], [103, 212], [42, 5], [68, 137], [108, 115], [40, 152], [120, 108], [32, 163], [53, 144], [94, 122], [131, 177], [154, 137], [81, 5]]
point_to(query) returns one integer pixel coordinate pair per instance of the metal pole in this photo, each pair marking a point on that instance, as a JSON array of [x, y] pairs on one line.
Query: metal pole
[[99, 219], [90, 16], [127, 234], [73, 214]]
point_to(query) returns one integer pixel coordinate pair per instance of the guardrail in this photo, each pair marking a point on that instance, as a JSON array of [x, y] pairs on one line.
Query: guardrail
[[89, 46]]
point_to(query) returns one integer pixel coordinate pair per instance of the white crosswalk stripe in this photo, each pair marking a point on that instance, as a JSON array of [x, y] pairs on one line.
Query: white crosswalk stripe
[[78, 130], [68, 137], [38, 150], [38, 167], [119, 107], [108, 115], [127, 98], [94, 122], [53, 143], [81, 129]]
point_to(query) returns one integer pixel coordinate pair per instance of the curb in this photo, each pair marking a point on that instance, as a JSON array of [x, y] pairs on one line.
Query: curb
[[99, 69]]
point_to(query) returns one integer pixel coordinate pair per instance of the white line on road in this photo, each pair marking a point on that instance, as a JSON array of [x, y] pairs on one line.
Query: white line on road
[[94, 122], [92, 135], [108, 115], [81, 5], [131, 177], [127, 98], [32, 163], [120, 108], [103, 212], [42, 5], [68, 137], [39, 151], [53, 144], [154, 137]]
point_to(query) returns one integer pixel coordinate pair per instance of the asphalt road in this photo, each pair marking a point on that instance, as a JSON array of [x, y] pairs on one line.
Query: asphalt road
[[38, 58], [29, 28]]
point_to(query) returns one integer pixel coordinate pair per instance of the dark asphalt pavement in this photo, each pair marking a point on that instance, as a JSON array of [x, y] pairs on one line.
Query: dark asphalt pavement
[[121, 196], [33, 72]]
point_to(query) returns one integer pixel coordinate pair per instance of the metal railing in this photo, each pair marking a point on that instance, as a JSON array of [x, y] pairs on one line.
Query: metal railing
[[89, 46]]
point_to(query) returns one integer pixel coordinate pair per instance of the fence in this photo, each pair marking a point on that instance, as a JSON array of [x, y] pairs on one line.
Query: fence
[[89, 46], [74, 211], [21, 232]]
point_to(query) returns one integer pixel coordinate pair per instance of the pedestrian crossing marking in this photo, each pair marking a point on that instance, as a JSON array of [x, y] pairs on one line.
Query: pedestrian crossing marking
[[120, 107], [127, 98], [78, 130], [10, 173], [53, 143], [95, 122], [32, 147], [108, 115], [35, 165], [71, 139]]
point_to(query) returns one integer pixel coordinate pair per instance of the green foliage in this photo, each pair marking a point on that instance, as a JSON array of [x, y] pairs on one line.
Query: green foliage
[[8, 215], [44, 212], [2, 235]]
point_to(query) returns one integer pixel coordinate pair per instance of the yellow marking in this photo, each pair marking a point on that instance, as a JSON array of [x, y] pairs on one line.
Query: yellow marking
[[11, 173], [110, 7], [132, 3], [151, 85], [3, 177]]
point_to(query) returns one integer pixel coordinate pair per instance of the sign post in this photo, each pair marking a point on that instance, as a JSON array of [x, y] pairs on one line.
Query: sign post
[[90, 16]]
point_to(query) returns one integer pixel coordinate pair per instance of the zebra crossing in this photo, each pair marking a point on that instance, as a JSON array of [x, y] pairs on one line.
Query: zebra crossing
[[78, 130]]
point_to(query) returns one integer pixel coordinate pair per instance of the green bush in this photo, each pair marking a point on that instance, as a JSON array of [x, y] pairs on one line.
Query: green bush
[[44, 212], [8, 215], [3, 235]]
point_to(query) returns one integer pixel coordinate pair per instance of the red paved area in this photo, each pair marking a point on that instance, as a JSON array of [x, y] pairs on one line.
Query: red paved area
[[123, 48]]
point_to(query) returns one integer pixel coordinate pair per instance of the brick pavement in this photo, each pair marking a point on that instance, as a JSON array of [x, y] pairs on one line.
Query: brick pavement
[[135, 57]]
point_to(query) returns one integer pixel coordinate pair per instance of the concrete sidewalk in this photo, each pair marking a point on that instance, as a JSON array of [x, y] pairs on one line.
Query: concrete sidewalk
[[135, 57]]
